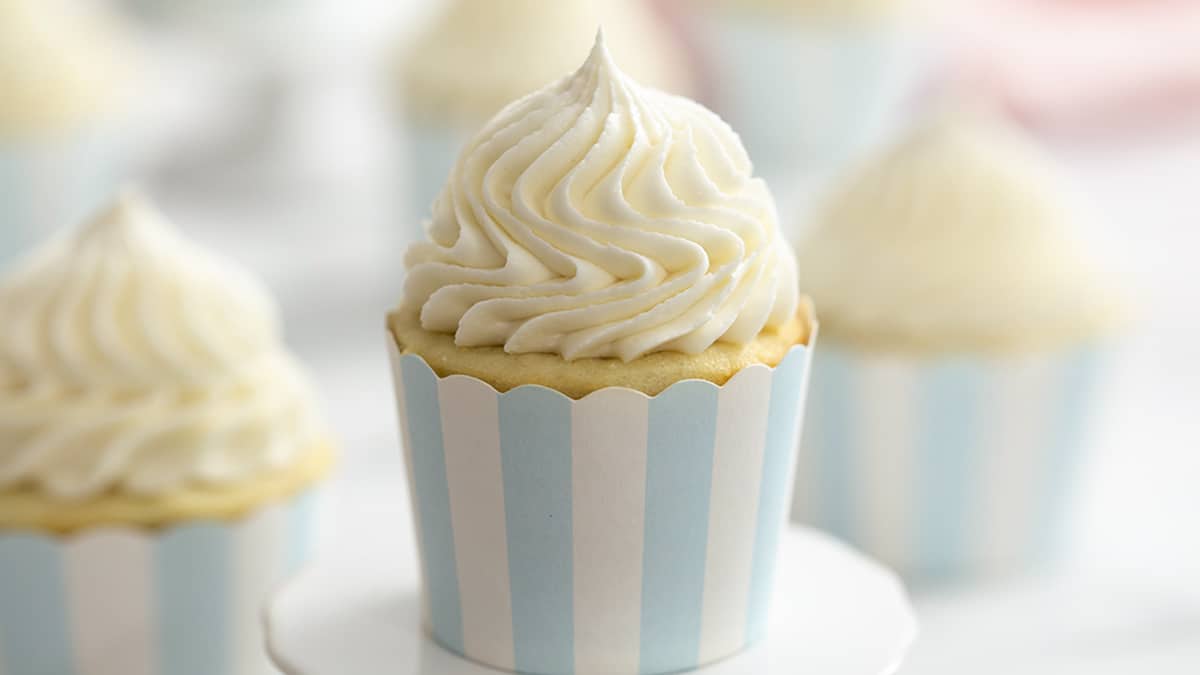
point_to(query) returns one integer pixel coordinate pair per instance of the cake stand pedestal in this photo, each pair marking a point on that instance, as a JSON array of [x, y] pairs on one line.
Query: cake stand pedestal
[[836, 613]]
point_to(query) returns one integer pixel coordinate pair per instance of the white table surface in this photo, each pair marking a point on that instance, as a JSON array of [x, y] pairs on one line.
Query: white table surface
[[1126, 600], [360, 614]]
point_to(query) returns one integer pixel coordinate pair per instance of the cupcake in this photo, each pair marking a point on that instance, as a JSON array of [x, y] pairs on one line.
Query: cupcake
[[966, 322], [64, 74], [600, 360], [479, 55], [808, 83], [159, 451]]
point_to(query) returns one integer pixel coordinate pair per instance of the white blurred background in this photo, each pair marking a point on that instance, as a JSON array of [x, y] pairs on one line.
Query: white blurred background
[[270, 131]]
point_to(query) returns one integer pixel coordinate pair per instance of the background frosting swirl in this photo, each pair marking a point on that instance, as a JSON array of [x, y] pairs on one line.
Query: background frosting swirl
[[63, 64], [599, 218], [133, 360], [962, 237]]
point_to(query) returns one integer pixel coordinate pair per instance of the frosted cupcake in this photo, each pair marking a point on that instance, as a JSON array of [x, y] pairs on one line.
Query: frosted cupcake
[[600, 361], [965, 322], [64, 74], [479, 55], [159, 449], [808, 83]]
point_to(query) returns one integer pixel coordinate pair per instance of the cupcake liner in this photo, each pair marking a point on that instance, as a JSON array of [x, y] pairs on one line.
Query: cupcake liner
[[122, 601], [949, 467], [617, 534], [806, 96], [47, 185]]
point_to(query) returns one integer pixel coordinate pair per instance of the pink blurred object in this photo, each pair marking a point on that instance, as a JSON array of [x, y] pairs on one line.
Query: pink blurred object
[[1085, 65], [680, 20]]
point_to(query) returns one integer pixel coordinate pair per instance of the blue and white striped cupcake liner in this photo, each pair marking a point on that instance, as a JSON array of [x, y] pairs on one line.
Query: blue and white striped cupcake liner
[[46, 185], [807, 96], [617, 534], [950, 467], [120, 601]]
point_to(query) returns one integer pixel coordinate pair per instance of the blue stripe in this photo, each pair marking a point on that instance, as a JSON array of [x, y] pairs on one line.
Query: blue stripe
[[14, 205], [34, 634], [949, 399], [432, 152], [783, 419], [1064, 447], [431, 501], [679, 457], [300, 529], [194, 583], [834, 444], [94, 175], [535, 454]]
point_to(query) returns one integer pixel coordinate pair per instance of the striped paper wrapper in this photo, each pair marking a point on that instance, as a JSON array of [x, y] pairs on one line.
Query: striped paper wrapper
[[120, 601], [807, 96], [50, 184], [946, 468], [617, 534]]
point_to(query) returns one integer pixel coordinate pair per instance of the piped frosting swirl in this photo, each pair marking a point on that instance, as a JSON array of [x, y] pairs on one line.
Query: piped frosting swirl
[[131, 360], [600, 218]]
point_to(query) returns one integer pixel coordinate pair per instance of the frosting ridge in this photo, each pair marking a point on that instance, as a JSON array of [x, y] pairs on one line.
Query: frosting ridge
[[600, 218]]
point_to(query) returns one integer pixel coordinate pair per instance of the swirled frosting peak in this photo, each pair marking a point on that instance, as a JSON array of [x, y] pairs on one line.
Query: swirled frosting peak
[[132, 360], [599, 218]]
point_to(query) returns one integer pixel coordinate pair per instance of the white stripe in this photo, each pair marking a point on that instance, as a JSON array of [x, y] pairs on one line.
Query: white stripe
[[805, 495], [608, 439], [886, 424], [259, 564], [1014, 429], [110, 590], [406, 449], [740, 441], [471, 438]]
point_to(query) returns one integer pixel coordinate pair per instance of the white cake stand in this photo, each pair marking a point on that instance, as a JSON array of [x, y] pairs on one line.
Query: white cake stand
[[836, 613]]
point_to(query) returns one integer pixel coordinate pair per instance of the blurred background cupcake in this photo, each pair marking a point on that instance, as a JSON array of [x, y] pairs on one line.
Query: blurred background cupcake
[[965, 322], [476, 56], [807, 83], [159, 451], [65, 75]]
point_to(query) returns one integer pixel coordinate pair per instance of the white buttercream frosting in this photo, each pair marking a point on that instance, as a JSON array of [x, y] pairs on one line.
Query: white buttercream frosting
[[480, 55], [600, 218], [61, 66], [960, 237], [132, 360]]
